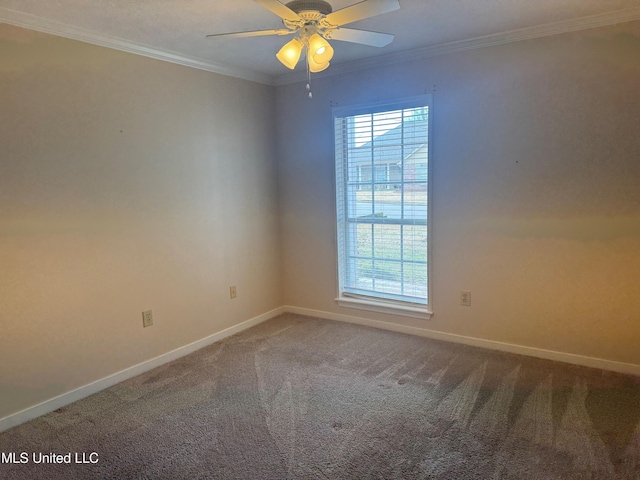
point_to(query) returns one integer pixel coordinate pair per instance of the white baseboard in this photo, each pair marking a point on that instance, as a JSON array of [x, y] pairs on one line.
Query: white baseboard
[[106, 382], [610, 365]]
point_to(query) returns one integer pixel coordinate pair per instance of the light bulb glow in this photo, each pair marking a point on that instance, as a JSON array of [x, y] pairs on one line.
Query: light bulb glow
[[319, 49], [289, 54]]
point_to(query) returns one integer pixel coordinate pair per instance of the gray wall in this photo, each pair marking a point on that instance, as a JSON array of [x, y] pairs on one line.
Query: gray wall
[[536, 204], [126, 184]]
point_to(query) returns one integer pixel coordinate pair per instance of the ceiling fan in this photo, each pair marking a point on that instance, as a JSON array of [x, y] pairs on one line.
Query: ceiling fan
[[315, 22]]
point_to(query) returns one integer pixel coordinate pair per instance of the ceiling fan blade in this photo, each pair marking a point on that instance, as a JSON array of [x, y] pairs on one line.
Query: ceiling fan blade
[[280, 10], [359, 11], [253, 33], [365, 37]]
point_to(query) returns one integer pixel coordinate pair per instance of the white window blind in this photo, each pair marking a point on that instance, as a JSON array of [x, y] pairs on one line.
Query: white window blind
[[382, 157]]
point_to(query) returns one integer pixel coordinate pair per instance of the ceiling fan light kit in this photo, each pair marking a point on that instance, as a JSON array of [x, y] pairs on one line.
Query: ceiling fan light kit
[[319, 52]]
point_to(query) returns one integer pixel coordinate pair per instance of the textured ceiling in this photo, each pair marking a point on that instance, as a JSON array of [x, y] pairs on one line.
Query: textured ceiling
[[180, 26]]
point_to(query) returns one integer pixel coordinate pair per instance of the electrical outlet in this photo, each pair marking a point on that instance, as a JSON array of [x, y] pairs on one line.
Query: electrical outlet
[[147, 318], [232, 292], [465, 298]]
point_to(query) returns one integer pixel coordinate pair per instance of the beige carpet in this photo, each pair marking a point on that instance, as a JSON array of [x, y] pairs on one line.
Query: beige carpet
[[303, 398]]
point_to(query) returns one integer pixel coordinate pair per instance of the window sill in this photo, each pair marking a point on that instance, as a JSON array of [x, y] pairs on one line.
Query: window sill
[[385, 307]]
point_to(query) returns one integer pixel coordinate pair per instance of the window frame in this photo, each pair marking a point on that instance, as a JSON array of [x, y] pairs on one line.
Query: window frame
[[370, 303]]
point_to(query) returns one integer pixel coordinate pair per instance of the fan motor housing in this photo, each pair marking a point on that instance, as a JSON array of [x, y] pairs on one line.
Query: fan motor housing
[[310, 6]]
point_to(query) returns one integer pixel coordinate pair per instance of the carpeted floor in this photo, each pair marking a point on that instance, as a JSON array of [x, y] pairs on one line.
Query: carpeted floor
[[303, 398]]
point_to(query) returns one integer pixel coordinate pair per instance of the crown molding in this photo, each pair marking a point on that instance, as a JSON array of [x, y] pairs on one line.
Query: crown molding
[[40, 24], [33, 22], [549, 29]]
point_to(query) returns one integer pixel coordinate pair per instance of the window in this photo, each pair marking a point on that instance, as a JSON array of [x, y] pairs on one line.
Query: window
[[382, 160]]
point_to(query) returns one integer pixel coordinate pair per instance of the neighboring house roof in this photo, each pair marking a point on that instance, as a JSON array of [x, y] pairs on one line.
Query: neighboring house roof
[[406, 143]]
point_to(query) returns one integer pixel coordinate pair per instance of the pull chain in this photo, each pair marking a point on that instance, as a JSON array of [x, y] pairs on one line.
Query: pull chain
[[309, 77]]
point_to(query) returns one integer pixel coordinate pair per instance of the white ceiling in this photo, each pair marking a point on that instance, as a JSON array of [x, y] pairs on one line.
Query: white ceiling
[[176, 29]]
